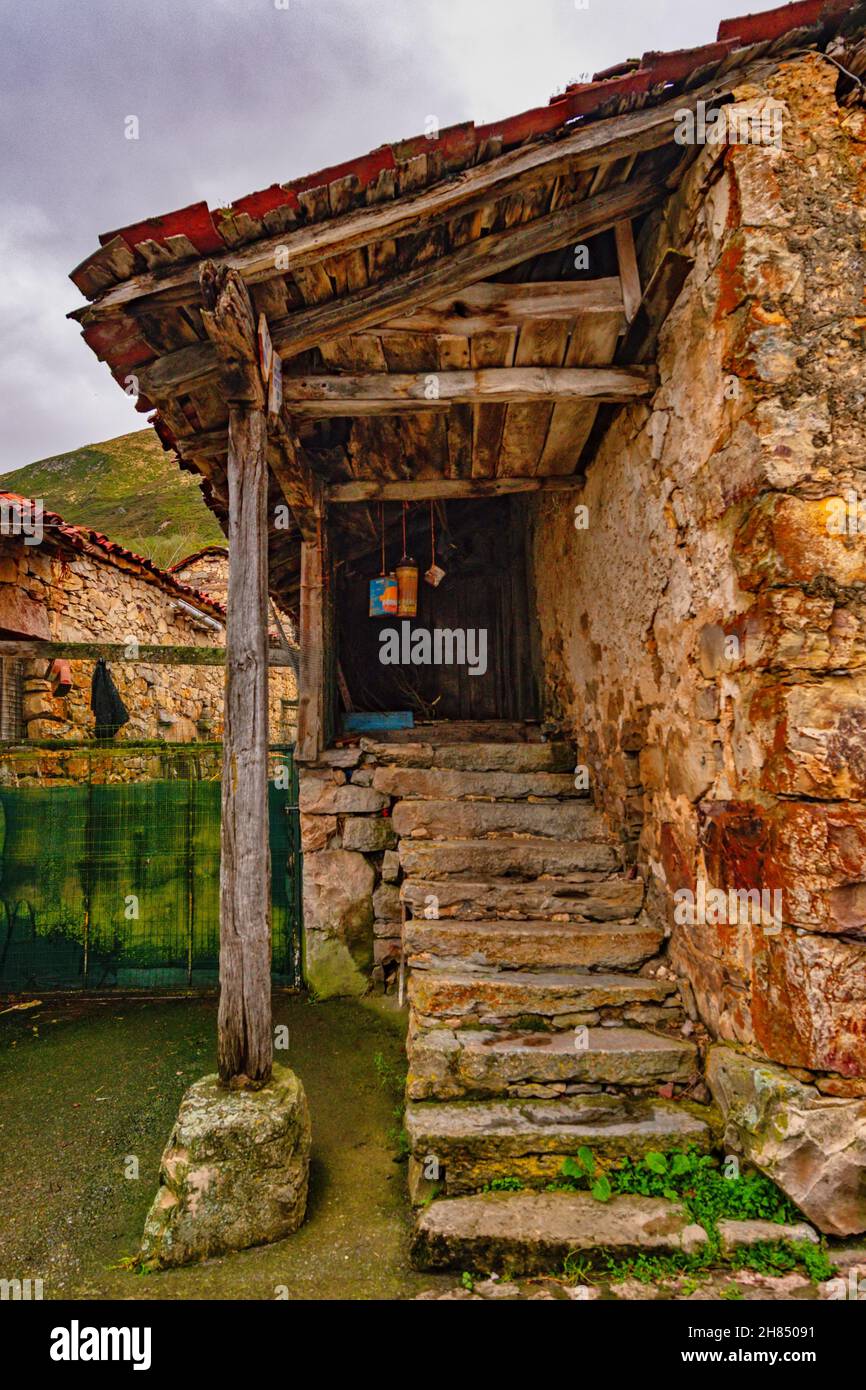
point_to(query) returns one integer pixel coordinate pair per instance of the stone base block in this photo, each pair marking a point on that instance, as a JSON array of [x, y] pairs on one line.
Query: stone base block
[[234, 1172]]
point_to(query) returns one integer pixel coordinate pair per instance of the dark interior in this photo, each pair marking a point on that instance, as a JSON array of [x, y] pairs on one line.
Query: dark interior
[[481, 546]]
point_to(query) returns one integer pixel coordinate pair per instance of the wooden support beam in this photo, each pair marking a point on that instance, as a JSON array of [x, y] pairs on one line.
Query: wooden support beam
[[446, 488], [641, 338], [402, 294], [312, 636], [122, 651], [385, 394], [486, 307], [227, 315], [297, 482], [628, 271], [245, 1041]]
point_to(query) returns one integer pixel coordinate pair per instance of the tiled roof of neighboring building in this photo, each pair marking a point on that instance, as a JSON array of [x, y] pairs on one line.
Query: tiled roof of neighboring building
[[87, 541]]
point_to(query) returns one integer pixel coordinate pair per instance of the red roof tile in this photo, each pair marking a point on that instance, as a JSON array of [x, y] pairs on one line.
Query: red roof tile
[[458, 146]]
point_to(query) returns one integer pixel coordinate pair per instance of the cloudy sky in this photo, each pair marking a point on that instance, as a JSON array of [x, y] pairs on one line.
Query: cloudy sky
[[231, 96]]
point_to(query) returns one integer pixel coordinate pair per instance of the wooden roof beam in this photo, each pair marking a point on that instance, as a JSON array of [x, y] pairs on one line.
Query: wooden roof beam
[[389, 394], [447, 489], [486, 306]]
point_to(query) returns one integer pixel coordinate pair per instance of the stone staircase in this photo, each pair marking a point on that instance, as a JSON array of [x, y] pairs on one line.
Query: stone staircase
[[538, 1020]]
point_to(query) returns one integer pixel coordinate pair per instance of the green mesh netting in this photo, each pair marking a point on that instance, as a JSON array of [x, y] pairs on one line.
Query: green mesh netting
[[116, 884]]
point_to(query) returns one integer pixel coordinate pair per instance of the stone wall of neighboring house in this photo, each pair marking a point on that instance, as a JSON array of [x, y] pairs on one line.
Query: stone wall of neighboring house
[[208, 571], [79, 597], [705, 636]]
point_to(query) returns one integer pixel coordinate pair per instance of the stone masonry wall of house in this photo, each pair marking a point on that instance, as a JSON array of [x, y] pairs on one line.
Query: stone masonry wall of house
[[705, 636], [82, 598]]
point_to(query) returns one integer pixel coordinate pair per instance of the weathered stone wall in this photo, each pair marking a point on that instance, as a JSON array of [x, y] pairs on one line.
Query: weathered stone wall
[[703, 638], [352, 916], [84, 598]]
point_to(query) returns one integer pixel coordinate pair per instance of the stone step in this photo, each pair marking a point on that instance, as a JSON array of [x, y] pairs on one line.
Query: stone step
[[534, 1232], [475, 757], [472, 1143], [528, 945], [575, 819], [446, 731], [443, 783], [518, 998], [482, 859], [447, 1065], [584, 897]]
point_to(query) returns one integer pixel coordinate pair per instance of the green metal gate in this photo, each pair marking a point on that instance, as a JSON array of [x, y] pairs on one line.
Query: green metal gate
[[109, 866]]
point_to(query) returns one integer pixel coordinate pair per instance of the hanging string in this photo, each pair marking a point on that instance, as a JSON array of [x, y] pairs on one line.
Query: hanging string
[[405, 509], [382, 531], [432, 534]]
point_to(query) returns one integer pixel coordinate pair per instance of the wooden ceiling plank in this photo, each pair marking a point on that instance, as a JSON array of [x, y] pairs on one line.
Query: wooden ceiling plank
[[493, 349], [592, 344], [542, 343]]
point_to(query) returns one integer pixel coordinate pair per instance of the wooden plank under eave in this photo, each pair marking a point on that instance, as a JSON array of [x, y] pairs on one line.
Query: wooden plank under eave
[[490, 349]]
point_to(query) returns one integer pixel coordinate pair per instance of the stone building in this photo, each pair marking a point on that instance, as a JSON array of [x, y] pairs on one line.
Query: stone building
[[74, 584], [603, 363]]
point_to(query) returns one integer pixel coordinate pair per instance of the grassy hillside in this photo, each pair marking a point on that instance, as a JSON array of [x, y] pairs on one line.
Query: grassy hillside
[[128, 488]]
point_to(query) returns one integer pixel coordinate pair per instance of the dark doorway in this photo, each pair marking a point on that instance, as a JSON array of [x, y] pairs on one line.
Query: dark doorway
[[481, 546]]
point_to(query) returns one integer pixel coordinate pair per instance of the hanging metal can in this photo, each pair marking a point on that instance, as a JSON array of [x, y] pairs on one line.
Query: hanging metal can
[[407, 582], [384, 596]]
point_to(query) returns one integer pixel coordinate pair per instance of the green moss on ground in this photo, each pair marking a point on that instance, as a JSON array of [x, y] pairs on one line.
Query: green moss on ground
[[88, 1082]]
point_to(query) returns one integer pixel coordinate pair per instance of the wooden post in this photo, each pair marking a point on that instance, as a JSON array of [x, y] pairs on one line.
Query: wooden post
[[245, 1033], [311, 638], [245, 1039]]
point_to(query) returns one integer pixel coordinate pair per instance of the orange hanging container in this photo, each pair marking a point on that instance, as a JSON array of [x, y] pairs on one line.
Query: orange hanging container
[[407, 588]]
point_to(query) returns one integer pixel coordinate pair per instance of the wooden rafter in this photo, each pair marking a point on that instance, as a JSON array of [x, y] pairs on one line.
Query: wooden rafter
[[628, 271], [388, 394]]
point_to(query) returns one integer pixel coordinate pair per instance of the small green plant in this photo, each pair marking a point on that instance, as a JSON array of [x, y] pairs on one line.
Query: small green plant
[[696, 1180], [467, 1281], [506, 1184], [731, 1292]]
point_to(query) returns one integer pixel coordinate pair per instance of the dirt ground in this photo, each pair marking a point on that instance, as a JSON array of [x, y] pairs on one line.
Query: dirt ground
[[84, 1084]]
